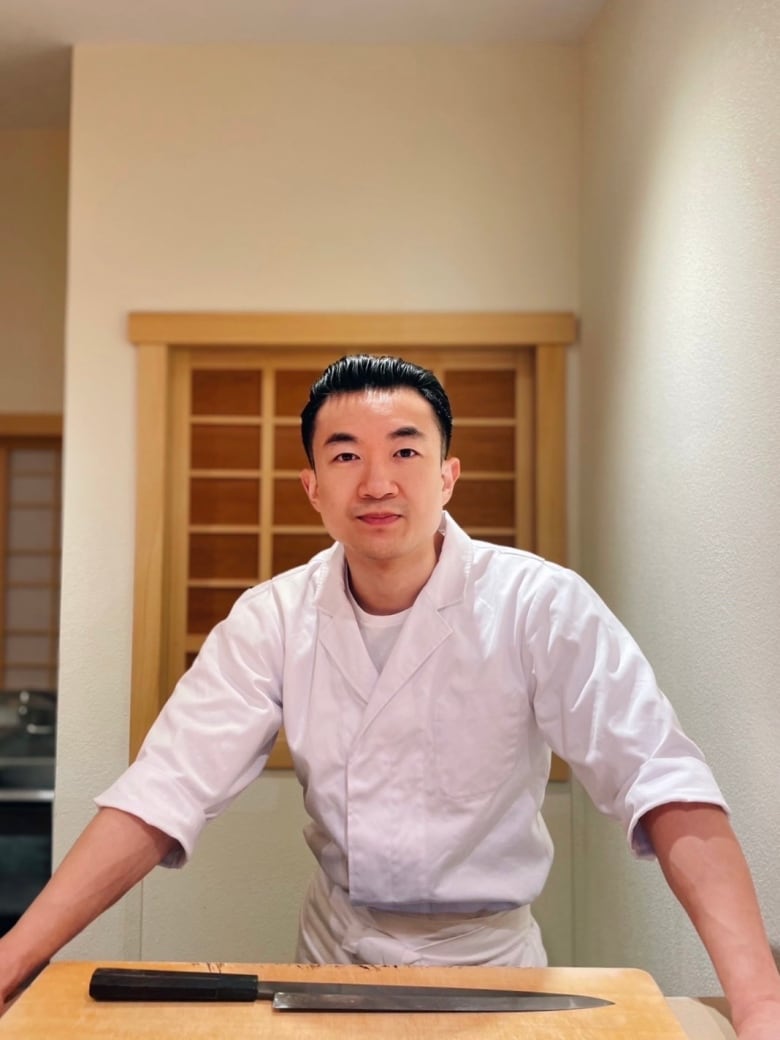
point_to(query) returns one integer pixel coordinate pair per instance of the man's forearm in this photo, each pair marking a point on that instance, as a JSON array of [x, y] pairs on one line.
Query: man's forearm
[[706, 869], [114, 852]]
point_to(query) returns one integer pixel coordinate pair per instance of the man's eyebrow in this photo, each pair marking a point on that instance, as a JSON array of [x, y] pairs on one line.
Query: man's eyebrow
[[341, 438], [406, 431], [402, 433]]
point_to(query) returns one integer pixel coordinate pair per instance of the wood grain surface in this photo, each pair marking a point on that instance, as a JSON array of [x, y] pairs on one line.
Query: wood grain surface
[[57, 1005]]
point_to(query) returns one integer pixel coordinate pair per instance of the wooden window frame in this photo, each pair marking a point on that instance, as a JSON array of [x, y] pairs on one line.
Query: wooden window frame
[[156, 336]]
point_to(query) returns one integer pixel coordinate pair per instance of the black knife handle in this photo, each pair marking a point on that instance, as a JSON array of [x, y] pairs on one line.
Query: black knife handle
[[155, 984]]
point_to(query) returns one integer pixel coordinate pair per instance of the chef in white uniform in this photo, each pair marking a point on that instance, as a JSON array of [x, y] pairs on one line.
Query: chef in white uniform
[[421, 739], [422, 678]]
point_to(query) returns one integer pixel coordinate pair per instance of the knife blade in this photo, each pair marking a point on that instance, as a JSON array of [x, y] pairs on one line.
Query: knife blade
[[155, 984], [451, 1001]]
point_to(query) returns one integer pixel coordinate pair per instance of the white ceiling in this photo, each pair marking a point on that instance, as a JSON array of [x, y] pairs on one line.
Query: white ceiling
[[36, 35]]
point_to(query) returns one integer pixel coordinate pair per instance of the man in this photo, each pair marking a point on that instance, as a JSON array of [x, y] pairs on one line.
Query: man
[[422, 678]]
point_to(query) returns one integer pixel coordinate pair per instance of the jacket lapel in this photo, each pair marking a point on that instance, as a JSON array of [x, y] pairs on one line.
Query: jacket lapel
[[423, 632], [338, 630], [425, 629]]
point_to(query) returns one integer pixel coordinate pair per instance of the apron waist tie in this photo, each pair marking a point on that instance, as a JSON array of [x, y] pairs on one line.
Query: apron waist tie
[[333, 931]]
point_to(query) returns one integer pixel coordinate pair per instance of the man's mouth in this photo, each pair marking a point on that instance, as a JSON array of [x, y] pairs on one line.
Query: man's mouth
[[378, 519]]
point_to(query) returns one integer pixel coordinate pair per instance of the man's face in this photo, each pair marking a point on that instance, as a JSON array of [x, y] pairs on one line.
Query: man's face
[[379, 481]]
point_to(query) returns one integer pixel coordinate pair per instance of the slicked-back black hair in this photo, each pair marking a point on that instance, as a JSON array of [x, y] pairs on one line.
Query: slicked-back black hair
[[356, 372]]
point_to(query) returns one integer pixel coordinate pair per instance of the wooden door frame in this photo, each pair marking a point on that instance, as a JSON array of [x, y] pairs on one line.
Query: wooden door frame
[[157, 335], [30, 424]]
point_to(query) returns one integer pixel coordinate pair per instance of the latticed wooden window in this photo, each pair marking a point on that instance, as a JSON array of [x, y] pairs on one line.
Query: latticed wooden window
[[221, 506]]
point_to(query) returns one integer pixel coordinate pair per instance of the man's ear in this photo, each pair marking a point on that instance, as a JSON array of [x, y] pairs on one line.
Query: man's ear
[[450, 471], [309, 481]]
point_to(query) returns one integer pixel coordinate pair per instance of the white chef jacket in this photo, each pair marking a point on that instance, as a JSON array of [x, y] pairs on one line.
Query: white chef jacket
[[424, 783]]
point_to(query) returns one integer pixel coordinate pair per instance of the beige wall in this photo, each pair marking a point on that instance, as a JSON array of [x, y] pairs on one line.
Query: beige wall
[[33, 197], [275, 178], [680, 425]]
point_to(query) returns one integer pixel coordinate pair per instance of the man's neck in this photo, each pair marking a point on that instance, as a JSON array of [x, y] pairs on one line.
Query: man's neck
[[390, 586]]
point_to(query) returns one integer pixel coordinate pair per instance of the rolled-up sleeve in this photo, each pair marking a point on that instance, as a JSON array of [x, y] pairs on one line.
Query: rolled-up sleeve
[[597, 702], [216, 731]]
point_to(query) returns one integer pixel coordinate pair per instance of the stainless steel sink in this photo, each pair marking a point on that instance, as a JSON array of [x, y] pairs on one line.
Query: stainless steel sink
[[26, 779], [27, 747], [27, 753]]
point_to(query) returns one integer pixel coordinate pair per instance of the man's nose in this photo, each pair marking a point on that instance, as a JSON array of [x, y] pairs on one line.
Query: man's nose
[[377, 481]]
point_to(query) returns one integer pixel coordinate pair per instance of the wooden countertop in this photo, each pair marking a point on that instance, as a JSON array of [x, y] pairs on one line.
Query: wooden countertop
[[57, 1005]]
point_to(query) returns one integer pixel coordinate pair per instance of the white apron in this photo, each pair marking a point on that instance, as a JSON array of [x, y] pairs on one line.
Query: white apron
[[333, 931]]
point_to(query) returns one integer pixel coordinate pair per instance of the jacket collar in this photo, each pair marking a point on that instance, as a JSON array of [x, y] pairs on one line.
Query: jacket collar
[[446, 585], [424, 631]]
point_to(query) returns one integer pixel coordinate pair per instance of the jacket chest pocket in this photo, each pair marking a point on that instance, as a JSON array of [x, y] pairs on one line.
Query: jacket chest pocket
[[476, 738]]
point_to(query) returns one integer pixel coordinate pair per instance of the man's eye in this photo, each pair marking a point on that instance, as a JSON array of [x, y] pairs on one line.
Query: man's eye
[[407, 453], [345, 456]]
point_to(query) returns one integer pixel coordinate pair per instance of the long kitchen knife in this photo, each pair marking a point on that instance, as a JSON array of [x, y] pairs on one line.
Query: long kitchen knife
[[452, 1000], [168, 985]]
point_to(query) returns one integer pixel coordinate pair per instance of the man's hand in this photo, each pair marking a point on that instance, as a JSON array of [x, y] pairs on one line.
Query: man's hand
[[5, 1004], [762, 1022]]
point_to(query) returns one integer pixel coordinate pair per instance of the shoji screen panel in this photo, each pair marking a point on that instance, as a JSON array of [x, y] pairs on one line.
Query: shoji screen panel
[[30, 508]]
